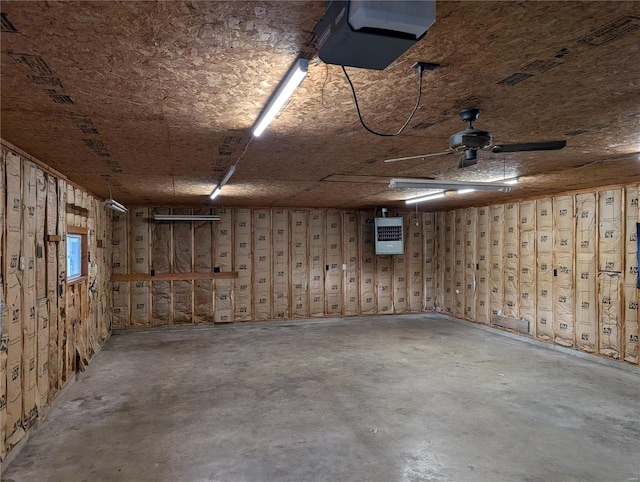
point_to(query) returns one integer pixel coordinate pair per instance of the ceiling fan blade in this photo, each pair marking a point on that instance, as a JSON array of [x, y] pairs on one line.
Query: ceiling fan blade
[[530, 146], [445, 153]]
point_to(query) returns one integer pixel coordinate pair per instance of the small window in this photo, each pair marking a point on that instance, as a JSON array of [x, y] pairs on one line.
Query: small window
[[76, 256]]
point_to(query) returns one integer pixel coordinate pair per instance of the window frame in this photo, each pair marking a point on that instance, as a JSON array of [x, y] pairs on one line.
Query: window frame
[[84, 257]]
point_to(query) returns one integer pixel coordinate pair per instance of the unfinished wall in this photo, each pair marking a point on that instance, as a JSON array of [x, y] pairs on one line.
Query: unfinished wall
[[49, 328], [262, 264], [561, 269]]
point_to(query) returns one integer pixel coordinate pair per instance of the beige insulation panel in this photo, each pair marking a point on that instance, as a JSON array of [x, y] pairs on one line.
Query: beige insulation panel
[[384, 283], [399, 283], [544, 269], [316, 262], [262, 276], [459, 280], [182, 263], [333, 259], [223, 250], [139, 240], [429, 236], [12, 324], [496, 253], [449, 261], [63, 322], [299, 264], [586, 323], [280, 259], [243, 256], [368, 296], [41, 219], [610, 271], [350, 223], [4, 315], [161, 312], [527, 263], [511, 260], [52, 282], [470, 247], [120, 300], [415, 248], [563, 287], [119, 243], [140, 291], [483, 288], [42, 355], [440, 261], [42, 311], [631, 276], [29, 300]]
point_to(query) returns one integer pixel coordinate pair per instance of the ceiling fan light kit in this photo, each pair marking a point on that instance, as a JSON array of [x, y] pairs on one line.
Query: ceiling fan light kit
[[471, 140]]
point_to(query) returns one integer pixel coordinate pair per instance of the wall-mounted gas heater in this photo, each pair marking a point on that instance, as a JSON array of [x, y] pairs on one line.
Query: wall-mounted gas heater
[[389, 234]]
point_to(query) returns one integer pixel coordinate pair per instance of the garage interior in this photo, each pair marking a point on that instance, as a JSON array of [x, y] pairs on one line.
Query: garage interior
[[508, 346]]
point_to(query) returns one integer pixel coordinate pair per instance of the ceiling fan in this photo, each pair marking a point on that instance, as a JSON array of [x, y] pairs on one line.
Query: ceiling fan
[[470, 141]]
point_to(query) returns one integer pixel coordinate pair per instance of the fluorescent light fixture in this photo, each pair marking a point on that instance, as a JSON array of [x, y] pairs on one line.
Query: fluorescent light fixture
[[215, 192], [425, 198], [186, 217], [465, 191], [513, 180], [419, 183], [287, 85], [225, 180], [115, 205], [227, 176]]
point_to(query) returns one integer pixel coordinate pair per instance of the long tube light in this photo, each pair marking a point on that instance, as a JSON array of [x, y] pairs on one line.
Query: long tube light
[[186, 217], [418, 183], [287, 85], [115, 205], [425, 198], [225, 180]]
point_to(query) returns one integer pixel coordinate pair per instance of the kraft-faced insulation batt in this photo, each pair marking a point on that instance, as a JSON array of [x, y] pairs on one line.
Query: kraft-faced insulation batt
[[223, 259], [563, 287], [459, 264], [631, 276], [483, 289], [429, 261], [262, 275], [161, 313], [544, 269], [367, 266], [511, 260], [449, 262], [299, 264], [316, 262], [496, 268], [281, 269], [351, 221], [415, 248], [610, 271], [243, 257], [527, 272], [333, 260], [586, 272], [470, 241], [203, 263]]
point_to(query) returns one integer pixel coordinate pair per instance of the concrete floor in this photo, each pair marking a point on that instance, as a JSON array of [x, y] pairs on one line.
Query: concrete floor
[[403, 398]]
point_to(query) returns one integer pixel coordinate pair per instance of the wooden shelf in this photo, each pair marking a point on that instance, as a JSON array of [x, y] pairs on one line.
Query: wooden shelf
[[172, 276]]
